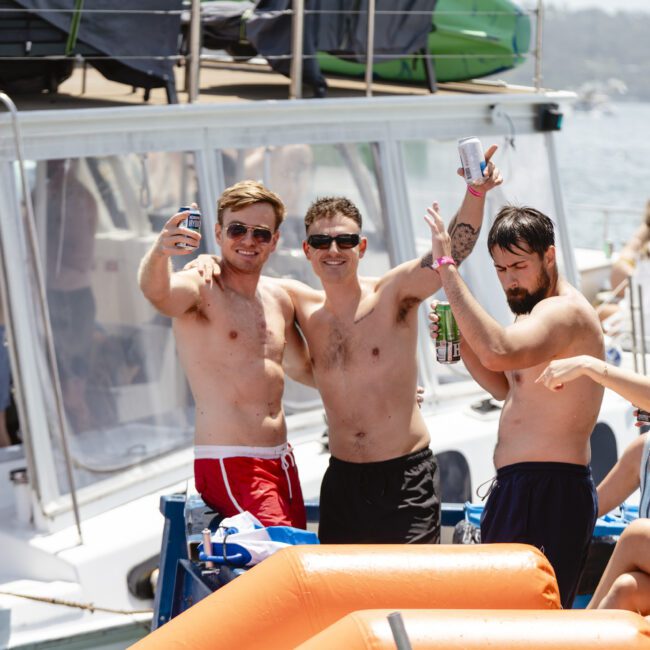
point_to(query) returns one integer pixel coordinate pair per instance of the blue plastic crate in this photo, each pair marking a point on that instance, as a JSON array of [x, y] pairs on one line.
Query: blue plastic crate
[[473, 513], [607, 525]]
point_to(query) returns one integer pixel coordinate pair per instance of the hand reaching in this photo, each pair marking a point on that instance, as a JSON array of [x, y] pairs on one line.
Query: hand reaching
[[440, 239], [209, 268], [561, 371], [491, 174]]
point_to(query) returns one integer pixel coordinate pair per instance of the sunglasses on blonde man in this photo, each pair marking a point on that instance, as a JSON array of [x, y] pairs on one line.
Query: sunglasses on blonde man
[[261, 235]]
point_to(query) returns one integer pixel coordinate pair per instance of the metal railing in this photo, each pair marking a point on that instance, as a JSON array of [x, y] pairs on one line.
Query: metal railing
[[606, 213], [297, 55], [194, 56]]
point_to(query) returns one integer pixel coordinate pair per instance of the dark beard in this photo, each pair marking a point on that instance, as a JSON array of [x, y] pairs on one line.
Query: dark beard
[[521, 301]]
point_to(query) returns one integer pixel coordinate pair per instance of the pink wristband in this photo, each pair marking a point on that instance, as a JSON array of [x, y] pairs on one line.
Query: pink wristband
[[441, 261], [474, 192]]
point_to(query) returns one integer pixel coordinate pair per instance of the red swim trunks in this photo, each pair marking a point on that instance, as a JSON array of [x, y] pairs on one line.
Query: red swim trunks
[[262, 480]]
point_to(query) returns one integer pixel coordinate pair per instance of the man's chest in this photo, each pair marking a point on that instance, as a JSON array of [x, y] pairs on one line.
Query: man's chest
[[243, 327], [522, 382], [367, 340]]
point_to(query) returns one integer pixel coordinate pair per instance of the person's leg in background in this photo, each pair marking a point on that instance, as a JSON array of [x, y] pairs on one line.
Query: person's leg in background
[[625, 584]]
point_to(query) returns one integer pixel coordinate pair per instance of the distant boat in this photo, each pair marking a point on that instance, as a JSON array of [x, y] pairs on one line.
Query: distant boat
[[596, 95], [467, 40]]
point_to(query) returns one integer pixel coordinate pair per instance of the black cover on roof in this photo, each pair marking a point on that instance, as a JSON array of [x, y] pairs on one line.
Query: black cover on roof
[[121, 35], [335, 26]]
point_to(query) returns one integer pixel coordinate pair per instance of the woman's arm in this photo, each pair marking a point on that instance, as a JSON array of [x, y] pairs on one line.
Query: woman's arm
[[627, 384]]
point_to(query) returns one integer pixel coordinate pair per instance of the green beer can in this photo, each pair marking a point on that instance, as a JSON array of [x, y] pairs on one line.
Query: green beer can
[[448, 340]]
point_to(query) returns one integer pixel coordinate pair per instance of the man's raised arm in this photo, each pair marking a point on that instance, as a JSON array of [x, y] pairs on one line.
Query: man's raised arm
[[171, 293], [525, 343], [416, 278]]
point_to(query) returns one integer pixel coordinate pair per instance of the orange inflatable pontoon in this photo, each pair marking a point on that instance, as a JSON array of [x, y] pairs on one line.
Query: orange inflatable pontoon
[[301, 590], [482, 629]]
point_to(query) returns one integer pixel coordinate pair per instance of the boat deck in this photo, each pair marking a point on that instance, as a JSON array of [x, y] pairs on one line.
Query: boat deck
[[224, 82]]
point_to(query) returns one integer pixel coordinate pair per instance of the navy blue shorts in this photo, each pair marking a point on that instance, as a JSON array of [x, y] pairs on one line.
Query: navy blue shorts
[[387, 502], [552, 506]]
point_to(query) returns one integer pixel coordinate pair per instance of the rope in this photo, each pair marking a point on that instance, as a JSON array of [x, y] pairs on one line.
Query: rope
[[68, 603]]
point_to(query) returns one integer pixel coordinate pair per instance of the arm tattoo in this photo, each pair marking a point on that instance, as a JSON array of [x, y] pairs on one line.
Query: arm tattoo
[[463, 239]]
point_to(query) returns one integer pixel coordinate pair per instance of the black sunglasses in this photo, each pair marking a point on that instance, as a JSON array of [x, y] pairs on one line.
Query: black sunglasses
[[261, 235], [323, 242]]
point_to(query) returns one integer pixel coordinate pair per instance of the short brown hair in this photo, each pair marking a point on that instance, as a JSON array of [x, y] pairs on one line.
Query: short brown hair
[[245, 193], [328, 207]]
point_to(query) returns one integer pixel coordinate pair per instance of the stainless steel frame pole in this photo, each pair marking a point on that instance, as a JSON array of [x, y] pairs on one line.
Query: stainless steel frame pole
[[195, 51], [297, 34], [633, 325], [39, 276], [538, 45], [370, 54], [642, 332]]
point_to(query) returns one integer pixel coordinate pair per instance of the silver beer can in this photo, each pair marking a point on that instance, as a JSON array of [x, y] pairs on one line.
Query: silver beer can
[[191, 222], [471, 158]]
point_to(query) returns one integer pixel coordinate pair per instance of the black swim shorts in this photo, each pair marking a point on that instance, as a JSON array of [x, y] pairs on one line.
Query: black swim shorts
[[388, 502]]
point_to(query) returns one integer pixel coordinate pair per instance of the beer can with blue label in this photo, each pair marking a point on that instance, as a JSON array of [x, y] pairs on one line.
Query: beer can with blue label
[[191, 222], [472, 159]]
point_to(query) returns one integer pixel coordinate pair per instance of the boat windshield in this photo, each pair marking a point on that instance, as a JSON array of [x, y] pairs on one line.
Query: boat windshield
[[124, 395]]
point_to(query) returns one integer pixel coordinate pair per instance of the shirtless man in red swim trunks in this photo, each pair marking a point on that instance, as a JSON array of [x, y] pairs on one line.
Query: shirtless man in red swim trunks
[[235, 341]]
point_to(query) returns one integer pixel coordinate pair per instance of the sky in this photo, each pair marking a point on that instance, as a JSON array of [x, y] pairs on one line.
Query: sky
[[612, 6]]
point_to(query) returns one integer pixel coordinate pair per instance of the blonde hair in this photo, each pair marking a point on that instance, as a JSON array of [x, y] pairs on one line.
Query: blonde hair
[[245, 193]]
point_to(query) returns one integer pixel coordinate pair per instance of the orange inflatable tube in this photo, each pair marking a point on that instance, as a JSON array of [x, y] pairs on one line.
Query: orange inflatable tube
[[497, 629], [301, 590]]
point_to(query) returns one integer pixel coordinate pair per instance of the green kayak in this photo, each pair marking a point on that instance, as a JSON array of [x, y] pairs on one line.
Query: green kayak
[[468, 39]]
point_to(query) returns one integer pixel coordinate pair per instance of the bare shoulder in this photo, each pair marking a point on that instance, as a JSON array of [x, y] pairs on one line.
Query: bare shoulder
[[371, 285], [274, 289], [189, 289], [298, 291], [394, 275], [639, 443], [634, 451], [570, 322], [188, 278], [389, 293], [570, 305]]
